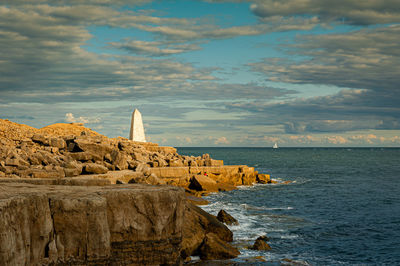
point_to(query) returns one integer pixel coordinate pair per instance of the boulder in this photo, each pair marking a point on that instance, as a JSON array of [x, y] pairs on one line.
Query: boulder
[[93, 145], [213, 248], [203, 183], [70, 172], [197, 224], [15, 160], [41, 139], [263, 178], [138, 156], [261, 243], [94, 168], [119, 160], [226, 218], [46, 158], [212, 162], [154, 180], [72, 168], [161, 162], [175, 163], [143, 168], [85, 156], [57, 143]]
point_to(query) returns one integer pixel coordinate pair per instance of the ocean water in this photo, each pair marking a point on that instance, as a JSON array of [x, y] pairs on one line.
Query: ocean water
[[342, 208]]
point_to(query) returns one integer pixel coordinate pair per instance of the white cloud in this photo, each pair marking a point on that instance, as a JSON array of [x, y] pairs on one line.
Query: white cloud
[[346, 11], [221, 140], [70, 118]]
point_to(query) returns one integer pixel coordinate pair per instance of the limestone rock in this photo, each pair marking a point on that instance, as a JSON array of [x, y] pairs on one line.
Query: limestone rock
[[15, 160], [143, 168], [138, 156], [50, 173], [41, 139], [150, 180], [57, 142], [261, 244], [175, 163], [93, 145], [213, 248], [202, 183], [94, 168], [263, 178], [91, 225], [212, 162], [72, 169], [85, 156], [119, 160], [197, 224], [226, 218]]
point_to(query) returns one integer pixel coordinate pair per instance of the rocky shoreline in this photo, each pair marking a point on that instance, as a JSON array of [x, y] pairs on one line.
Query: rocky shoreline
[[71, 195]]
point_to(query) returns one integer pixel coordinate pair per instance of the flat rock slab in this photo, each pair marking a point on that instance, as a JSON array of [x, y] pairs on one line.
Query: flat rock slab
[[59, 181], [124, 224]]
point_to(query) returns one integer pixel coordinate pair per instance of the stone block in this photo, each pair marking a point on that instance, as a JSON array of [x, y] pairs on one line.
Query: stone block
[[57, 143]]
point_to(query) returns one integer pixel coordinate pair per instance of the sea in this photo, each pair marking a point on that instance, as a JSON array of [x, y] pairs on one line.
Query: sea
[[342, 206]]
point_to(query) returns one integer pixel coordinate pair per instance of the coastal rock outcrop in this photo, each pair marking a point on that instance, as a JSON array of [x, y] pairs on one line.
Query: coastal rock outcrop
[[213, 248], [63, 210], [125, 224], [261, 243], [69, 150], [226, 218], [198, 224]]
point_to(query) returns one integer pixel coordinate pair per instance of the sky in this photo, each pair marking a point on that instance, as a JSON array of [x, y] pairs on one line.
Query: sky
[[301, 73]]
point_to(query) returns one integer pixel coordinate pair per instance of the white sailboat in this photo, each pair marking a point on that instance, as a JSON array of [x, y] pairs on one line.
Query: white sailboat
[[275, 146]]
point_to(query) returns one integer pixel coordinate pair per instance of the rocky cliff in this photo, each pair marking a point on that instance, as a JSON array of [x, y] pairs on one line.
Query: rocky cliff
[[65, 198], [128, 224]]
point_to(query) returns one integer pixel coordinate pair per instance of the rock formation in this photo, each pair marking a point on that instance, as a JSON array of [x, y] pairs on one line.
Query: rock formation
[[226, 218], [261, 243], [137, 129], [126, 224], [58, 204]]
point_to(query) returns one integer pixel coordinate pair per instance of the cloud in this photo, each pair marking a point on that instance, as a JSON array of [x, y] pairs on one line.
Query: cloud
[[364, 63], [69, 117], [153, 48], [346, 11], [336, 140], [221, 140], [47, 43], [370, 138], [342, 60]]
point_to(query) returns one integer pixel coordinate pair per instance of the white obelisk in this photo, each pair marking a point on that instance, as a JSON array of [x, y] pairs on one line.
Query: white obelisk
[[137, 130]]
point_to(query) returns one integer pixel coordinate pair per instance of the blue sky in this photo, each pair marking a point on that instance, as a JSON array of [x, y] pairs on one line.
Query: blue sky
[[207, 73]]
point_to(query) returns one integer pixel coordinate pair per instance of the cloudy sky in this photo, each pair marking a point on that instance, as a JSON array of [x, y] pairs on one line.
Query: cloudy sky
[[207, 73]]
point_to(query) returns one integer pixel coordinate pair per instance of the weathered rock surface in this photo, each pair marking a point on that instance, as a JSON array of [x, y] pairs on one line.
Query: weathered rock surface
[[94, 168], [43, 223], [197, 225], [69, 150], [213, 248], [261, 243], [226, 218], [124, 224], [263, 178], [203, 183]]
